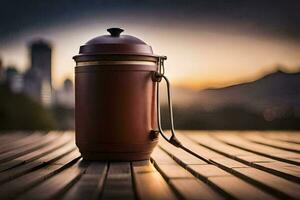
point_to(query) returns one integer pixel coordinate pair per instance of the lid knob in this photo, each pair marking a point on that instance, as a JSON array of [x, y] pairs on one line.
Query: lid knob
[[115, 32]]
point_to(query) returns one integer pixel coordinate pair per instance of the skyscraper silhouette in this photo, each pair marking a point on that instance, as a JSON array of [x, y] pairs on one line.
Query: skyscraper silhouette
[[38, 80], [1, 72]]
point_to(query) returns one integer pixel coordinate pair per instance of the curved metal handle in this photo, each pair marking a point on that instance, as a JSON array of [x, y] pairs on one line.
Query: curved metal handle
[[158, 76]]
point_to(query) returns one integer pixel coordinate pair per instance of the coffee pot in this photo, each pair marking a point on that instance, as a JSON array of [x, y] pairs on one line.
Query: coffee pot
[[117, 105]]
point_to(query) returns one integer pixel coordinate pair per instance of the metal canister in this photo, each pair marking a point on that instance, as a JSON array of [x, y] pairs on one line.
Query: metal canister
[[115, 98]]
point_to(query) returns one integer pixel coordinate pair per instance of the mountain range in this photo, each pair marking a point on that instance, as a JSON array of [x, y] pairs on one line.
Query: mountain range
[[269, 102], [276, 90]]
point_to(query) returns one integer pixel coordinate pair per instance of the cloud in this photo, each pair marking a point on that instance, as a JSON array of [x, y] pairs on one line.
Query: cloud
[[274, 17]]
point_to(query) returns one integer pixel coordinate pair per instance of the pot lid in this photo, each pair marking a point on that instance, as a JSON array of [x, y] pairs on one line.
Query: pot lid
[[115, 43]]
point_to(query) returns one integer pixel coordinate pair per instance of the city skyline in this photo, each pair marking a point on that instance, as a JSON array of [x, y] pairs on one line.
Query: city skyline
[[206, 46], [193, 77], [36, 81]]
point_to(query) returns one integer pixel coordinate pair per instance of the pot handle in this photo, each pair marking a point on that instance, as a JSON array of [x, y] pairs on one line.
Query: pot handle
[[157, 77]]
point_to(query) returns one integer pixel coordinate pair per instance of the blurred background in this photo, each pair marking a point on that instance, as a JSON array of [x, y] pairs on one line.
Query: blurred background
[[233, 64]]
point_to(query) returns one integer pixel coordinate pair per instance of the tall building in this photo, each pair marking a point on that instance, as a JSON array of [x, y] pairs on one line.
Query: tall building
[[65, 96], [40, 53], [14, 79], [38, 80], [2, 73]]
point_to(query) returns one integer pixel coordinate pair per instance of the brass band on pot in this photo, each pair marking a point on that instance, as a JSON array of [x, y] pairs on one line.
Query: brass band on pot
[[125, 62]]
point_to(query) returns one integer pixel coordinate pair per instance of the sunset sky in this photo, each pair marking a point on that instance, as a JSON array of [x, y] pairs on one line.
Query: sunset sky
[[207, 44]]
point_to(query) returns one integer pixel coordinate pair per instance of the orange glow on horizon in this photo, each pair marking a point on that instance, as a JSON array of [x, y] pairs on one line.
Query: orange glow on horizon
[[198, 57], [198, 84]]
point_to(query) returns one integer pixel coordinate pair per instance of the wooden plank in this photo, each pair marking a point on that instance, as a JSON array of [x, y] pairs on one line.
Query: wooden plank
[[118, 184], [286, 168], [55, 155], [238, 188], [149, 184], [232, 172], [43, 142], [273, 143], [209, 154], [179, 155], [55, 186], [266, 181], [20, 140], [22, 184], [39, 163], [215, 177], [204, 152], [228, 151], [193, 189], [59, 142], [296, 169], [229, 163], [43, 151], [207, 173], [277, 185], [161, 157], [167, 166], [5, 135], [9, 137], [90, 185], [259, 149], [241, 141], [183, 182], [258, 180], [173, 171], [253, 158], [259, 162], [183, 157], [289, 137], [208, 140]]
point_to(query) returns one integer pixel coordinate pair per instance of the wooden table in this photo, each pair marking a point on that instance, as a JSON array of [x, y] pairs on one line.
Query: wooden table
[[246, 165]]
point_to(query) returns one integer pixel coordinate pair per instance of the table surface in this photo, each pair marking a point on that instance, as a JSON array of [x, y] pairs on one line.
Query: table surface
[[240, 165]]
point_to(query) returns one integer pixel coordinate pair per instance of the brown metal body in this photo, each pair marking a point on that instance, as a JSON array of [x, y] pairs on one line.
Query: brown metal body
[[115, 105]]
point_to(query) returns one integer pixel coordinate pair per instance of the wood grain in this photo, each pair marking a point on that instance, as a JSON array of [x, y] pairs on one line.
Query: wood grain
[[238, 165]]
